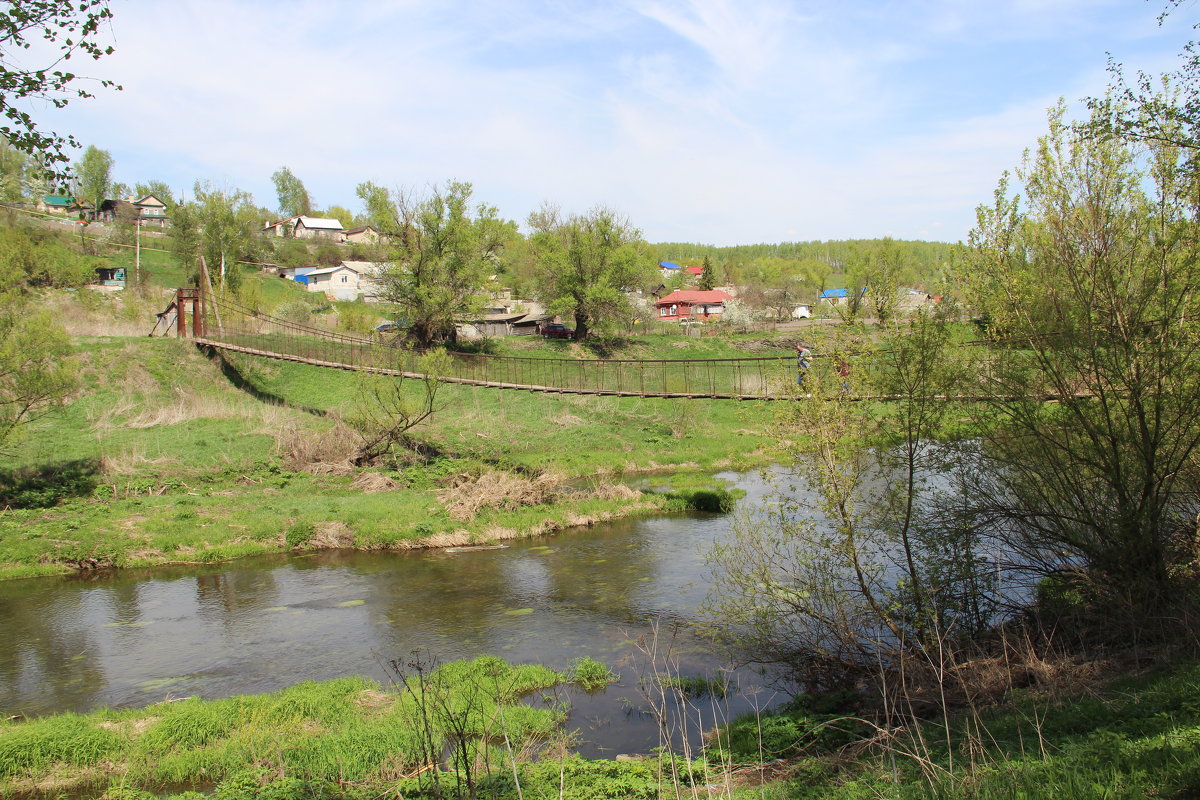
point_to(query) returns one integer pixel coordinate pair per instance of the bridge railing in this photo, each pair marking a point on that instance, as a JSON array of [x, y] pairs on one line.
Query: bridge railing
[[749, 377]]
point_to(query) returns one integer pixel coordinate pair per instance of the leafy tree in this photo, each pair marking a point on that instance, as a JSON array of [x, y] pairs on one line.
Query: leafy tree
[[1089, 280], [93, 175], [119, 191], [16, 167], [708, 277], [220, 225], [342, 215], [379, 209], [875, 280], [586, 263], [846, 580], [293, 197], [1152, 108], [37, 370], [777, 284], [62, 29], [441, 251]]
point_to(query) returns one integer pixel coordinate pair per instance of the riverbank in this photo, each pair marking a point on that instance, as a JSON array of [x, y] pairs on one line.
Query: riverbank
[[167, 456], [352, 738]]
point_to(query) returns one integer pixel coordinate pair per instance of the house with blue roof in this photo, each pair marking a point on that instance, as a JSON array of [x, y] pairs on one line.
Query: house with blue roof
[[834, 297]]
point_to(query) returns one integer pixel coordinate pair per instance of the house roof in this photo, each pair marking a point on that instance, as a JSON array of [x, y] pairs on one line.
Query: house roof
[[834, 293], [319, 223], [362, 229], [149, 200], [58, 200], [695, 296], [331, 270], [694, 270], [668, 265]]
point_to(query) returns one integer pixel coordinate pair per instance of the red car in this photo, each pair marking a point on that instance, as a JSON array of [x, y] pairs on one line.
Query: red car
[[556, 330]]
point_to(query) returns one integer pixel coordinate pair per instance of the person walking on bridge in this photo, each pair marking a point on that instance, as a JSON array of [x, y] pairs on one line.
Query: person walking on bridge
[[803, 356]]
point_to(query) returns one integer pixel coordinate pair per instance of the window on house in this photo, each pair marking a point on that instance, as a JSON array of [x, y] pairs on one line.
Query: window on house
[[674, 310], [343, 279]]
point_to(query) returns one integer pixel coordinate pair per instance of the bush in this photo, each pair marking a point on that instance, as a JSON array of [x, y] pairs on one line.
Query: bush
[[299, 534], [715, 501]]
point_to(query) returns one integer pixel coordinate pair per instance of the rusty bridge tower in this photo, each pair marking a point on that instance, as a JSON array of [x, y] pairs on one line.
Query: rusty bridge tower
[[193, 297]]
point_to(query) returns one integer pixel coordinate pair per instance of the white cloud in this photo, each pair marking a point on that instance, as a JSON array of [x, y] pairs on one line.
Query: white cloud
[[700, 119]]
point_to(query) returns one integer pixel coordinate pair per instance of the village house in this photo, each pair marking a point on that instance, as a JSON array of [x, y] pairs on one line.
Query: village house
[[336, 283], [151, 212], [304, 227], [57, 204], [364, 234], [317, 228], [694, 304]]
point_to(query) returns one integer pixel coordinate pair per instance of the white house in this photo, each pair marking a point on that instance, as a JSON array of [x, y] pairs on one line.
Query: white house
[[336, 283], [317, 228], [369, 284], [302, 227]]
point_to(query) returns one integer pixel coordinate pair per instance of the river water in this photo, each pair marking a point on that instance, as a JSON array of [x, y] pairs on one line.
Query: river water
[[133, 638]]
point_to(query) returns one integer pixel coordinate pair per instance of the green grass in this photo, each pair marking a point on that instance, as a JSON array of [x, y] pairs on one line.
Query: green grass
[[351, 738], [348, 729], [160, 459]]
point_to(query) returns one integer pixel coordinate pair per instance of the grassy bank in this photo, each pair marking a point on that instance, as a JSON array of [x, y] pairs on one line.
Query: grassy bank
[[352, 738], [166, 455]]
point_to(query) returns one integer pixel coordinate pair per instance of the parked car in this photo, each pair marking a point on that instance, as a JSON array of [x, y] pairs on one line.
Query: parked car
[[387, 327], [556, 330], [690, 322]]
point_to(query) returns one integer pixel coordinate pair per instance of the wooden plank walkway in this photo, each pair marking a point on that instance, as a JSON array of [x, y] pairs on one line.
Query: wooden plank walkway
[[219, 345]]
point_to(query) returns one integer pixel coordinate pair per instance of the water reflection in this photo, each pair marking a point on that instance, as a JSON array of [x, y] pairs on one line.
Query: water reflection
[[258, 625]]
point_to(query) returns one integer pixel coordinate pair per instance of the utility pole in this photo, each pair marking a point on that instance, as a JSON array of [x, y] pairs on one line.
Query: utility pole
[[137, 251]]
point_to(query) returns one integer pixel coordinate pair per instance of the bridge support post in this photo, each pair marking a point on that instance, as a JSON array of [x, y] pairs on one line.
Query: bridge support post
[[184, 298]]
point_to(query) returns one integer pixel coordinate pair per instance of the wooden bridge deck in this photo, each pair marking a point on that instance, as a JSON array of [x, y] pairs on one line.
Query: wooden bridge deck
[[219, 345]]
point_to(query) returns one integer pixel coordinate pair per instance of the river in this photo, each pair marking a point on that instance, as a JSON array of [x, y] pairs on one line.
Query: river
[[135, 637]]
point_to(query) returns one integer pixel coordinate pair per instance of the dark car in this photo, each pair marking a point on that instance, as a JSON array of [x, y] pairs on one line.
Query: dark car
[[556, 330]]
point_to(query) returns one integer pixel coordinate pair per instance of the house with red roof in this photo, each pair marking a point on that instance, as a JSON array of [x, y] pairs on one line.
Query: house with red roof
[[692, 304]]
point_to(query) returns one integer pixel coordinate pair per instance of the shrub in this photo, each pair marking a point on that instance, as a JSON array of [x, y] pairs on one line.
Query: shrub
[[300, 533]]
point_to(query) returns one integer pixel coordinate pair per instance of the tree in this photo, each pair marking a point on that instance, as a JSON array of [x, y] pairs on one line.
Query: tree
[[294, 199], [379, 209], [93, 175], [1088, 277], [586, 263], [774, 283], [1163, 108], [440, 253], [708, 277], [15, 169], [342, 215], [220, 225], [851, 573], [37, 370], [65, 28]]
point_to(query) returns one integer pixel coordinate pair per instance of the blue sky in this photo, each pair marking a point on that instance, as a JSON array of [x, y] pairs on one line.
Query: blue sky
[[702, 120]]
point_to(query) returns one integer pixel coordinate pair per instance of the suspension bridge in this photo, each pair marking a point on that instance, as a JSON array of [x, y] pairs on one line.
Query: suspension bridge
[[225, 325]]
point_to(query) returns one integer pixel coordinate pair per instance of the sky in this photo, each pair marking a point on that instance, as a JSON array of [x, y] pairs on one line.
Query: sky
[[714, 121]]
